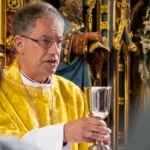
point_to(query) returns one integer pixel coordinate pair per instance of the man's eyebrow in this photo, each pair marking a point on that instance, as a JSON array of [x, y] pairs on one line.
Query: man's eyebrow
[[52, 36], [59, 36]]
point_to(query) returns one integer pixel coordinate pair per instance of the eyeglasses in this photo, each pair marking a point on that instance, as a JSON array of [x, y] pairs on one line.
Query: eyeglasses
[[46, 43]]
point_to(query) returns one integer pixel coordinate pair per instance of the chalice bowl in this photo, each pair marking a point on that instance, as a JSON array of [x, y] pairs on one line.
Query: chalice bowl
[[99, 98]]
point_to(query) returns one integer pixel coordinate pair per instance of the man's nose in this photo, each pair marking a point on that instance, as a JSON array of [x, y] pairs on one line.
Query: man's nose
[[53, 48]]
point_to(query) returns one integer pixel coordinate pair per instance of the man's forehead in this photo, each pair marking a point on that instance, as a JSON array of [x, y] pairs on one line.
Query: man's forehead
[[53, 36], [56, 32], [46, 28], [53, 23]]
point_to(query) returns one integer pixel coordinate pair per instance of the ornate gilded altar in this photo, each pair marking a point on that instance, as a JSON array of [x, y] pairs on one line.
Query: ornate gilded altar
[[112, 19]]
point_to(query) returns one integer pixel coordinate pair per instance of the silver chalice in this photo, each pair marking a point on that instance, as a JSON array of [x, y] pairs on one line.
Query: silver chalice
[[99, 98]]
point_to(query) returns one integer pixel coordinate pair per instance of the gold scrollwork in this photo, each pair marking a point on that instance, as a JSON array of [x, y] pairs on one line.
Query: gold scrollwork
[[104, 9], [121, 67], [89, 2], [132, 47], [123, 24], [13, 5], [104, 25], [9, 44], [121, 100], [124, 4]]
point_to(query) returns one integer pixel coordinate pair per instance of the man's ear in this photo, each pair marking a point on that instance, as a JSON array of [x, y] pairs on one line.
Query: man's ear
[[18, 42]]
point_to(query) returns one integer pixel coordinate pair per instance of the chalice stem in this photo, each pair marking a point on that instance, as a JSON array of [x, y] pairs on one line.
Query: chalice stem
[[103, 146], [96, 146]]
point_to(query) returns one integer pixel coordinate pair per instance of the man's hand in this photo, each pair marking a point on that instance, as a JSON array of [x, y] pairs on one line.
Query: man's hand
[[87, 130]]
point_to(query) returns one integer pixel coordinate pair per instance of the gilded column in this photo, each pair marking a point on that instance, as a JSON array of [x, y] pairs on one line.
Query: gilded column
[[91, 6], [2, 32], [123, 45]]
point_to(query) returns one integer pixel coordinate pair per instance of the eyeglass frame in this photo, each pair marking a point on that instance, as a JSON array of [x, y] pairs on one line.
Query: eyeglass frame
[[38, 41]]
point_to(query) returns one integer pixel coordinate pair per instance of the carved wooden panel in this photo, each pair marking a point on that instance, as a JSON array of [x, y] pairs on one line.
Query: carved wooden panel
[[122, 46]]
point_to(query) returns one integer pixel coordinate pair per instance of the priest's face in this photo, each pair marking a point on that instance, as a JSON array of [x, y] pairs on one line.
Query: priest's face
[[39, 54]]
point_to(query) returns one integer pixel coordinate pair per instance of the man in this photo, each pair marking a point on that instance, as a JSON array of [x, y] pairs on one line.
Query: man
[[46, 110]]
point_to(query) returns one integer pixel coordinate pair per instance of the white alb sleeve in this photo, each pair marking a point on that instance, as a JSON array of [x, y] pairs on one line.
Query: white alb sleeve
[[47, 138]]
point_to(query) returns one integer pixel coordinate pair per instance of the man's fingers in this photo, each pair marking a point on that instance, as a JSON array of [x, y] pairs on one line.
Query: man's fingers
[[97, 121]]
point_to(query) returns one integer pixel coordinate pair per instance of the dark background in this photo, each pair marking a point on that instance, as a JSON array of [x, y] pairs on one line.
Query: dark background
[[55, 3]]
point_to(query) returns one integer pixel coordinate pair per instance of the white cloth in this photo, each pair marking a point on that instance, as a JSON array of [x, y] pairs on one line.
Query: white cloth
[[28, 82], [47, 138]]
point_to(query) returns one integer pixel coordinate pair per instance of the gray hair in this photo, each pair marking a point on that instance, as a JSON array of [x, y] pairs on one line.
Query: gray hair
[[25, 18]]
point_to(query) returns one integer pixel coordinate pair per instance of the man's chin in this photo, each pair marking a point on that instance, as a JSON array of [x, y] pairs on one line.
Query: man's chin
[[51, 72]]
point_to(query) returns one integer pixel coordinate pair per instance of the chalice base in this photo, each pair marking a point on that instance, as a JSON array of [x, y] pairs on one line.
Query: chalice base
[[99, 147], [105, 147], [95, 147]]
